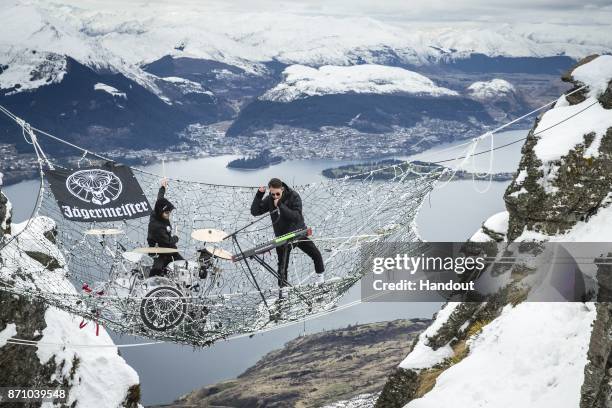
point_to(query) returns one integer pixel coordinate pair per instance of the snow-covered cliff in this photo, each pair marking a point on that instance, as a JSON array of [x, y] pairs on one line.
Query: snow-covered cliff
[[507, 352], [94, 376]]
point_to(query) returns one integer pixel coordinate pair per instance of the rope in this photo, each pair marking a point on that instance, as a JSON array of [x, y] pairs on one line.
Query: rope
[[26, 342]]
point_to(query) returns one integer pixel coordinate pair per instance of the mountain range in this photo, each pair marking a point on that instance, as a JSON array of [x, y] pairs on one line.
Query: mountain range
[[172, 67]]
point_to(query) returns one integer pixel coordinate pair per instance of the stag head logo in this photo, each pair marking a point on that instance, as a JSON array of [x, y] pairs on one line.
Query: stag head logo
[[94, 186]]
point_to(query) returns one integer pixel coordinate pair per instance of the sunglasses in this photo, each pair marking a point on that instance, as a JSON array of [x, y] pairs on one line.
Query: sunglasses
[[276, 194]]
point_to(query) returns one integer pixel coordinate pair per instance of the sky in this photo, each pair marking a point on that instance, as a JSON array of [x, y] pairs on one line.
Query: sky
[[590, 12], [531, 11]]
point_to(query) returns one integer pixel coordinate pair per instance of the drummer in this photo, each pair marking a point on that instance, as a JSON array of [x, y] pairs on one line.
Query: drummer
[[160, 232]]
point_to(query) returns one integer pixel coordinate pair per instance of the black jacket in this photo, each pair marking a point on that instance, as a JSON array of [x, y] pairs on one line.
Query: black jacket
[[289, 218], [160, 230]]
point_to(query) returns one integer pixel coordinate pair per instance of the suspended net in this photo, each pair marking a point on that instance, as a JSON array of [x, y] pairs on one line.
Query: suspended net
[[231, 298]]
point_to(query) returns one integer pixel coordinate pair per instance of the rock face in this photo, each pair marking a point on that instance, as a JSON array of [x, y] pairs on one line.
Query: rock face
[[561, 192], [323, 368], [5, 213], [95, 376], [550, 196]]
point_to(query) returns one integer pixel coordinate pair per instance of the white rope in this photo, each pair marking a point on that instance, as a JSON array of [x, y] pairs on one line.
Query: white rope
[[474, 142], [490, 171]]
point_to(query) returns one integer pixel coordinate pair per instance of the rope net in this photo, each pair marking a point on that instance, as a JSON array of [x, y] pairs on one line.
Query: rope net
[[231, 298]]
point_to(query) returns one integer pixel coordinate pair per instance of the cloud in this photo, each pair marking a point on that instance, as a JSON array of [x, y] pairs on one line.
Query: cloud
[[592, 12]]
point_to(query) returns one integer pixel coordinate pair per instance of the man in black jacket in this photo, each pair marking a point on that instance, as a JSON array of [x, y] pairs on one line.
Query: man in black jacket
[[160, 231], [285, 208]]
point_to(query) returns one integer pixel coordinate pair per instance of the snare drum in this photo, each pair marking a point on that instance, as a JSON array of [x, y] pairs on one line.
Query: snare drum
[[184, 273]]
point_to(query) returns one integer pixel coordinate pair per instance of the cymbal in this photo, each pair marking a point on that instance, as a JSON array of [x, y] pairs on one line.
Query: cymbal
[[219, 253], [133, 257], [208, 235], [155, 250], [104, 231]]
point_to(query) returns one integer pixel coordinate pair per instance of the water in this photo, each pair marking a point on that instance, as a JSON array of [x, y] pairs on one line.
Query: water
[[452, 213]]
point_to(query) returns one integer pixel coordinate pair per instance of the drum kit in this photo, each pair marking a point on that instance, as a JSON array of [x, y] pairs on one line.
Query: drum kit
[[183, 278], [207, 258]]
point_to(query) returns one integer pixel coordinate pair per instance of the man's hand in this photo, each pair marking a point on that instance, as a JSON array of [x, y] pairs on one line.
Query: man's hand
[[262, 189], [276, 200], [164, 182]]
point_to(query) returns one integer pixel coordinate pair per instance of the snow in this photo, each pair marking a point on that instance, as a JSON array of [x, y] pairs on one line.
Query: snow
[[121, 36], [102, 377], [423, 356], [595, 229], [110, 90], [30, 70], [480, 236], [498, 222], [520, 178], [532, 356], [359, 401], [187, 86], [9, 331], [597, 74], [558, 141], [490, 89], [300, 81]]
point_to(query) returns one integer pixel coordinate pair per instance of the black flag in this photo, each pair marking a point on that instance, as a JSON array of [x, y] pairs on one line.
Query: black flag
[[104, 193]]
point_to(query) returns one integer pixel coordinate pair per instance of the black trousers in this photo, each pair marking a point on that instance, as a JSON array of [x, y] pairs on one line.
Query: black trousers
[[283, 253], [161, 261]]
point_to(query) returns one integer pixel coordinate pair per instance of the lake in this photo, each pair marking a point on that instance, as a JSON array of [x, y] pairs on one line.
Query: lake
[[452, 213]]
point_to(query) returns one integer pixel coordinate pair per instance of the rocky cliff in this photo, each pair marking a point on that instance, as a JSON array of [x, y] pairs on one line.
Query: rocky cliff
[[92, 376], [507, 352]]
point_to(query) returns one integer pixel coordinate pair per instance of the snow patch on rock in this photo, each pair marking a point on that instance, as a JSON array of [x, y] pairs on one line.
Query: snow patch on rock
[[187, 86], [422, 355], [110, 90], [576, 121], [300, 81], [102, 377], [558, 141], [9, 331], [498, 222], [596, 74]]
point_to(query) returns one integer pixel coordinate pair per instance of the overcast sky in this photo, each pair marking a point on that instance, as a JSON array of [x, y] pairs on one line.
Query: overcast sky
[[532, 11]]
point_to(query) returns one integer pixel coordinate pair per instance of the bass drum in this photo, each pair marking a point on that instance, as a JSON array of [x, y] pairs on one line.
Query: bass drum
[[163, 307]]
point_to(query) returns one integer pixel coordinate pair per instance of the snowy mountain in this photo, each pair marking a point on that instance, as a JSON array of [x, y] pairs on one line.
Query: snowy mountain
[[92, 376], [510, 352], [502, 99], [192, 62], [490, 89], [368, 98], [99, 33], [300, 82], [122, 40], [101, 110]]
